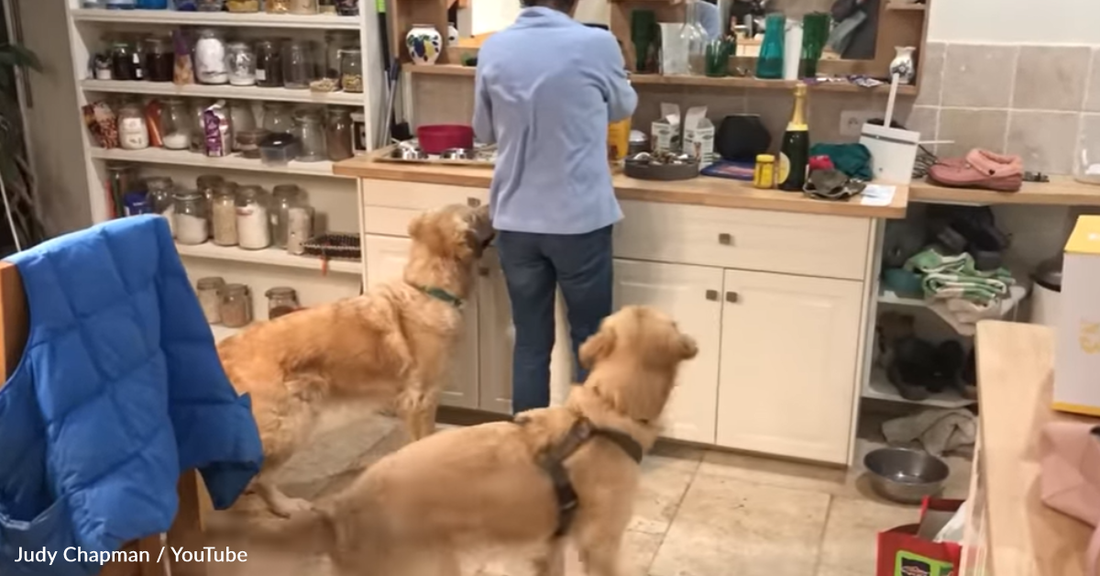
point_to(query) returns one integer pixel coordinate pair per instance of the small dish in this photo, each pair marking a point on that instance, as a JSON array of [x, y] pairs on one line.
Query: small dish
[[459, 154], [408, 153]]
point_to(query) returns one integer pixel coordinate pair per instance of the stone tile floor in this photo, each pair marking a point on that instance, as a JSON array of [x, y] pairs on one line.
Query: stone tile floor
[[699, 512]]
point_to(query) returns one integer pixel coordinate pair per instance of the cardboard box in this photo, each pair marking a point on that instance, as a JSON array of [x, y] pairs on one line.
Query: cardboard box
[[910, 550], [1077, 342], [693, 133]]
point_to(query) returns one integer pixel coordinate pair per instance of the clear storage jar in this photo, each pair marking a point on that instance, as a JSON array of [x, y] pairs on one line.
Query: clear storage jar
[[299, 228], [338, 134], [133, 130], [269, 63], [278, 118], [236, 308], [210, 5], [277, 6], [210, 291], [161, 190], [335, 41], [123, 54], [207, 184], [248, 142], [311, 137], [175, 124], [303, 6], [211, 62], [160, 59], [242, 6], [351, 70], [283, 198], [326, 6], [192, 218], [253, 222], [299, 64], [241, 119], [223, 215], [281, 300]]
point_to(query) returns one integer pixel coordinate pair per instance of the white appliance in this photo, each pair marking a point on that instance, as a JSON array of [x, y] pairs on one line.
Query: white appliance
[[893, 152]]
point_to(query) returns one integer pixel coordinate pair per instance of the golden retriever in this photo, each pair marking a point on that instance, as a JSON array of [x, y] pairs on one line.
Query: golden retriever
[[391, 345], [483, 487]]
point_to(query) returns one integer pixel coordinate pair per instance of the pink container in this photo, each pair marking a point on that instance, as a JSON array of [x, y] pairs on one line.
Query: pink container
[[439, 137]]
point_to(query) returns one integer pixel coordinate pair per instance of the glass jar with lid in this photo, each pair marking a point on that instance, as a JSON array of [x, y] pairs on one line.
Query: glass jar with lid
[[281, 300], [338, 134], [303, 6], [223, 215], [192, 219], [211, 64], [207, 184], [351, 70], [160, 59], [210, 293], [347, 7], [277, 6], [253, 222], [133, 130], [269, 63], [299, 64], [198, 131], [335, 41], [242, 6], [210, 5], [248, 142], [278, 118], [236, 308], [122, 54], [283, 198], [311, 136], [175, 124], [326, 7], [241, 64], [161, 189], [241, 119]]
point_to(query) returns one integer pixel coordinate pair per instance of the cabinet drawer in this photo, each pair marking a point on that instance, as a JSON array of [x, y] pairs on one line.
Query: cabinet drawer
[[388, 205], [807, 244]]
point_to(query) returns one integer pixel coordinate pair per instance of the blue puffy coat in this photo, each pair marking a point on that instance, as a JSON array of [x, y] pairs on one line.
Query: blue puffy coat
[[119, 390]]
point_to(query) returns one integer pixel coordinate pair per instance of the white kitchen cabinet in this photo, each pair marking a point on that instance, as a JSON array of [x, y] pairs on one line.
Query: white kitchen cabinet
[[496, 336], [789, 349], [690, 294], [385, 258]]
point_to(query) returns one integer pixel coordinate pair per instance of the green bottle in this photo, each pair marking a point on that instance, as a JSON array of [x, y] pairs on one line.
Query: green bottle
[[794, 153]]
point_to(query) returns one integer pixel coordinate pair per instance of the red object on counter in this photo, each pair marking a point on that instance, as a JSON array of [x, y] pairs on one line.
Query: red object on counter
[[439, 137], [821, 162]]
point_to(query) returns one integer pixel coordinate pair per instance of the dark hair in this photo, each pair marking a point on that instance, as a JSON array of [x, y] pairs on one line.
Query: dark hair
[[562, 5]]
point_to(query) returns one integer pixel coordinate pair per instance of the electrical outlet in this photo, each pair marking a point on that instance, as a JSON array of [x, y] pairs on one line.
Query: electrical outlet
[[852, 121]]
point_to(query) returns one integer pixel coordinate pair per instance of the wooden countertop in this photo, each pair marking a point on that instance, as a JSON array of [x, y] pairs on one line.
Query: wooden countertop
[[1015, 378], [1060, 191], [702, 191]]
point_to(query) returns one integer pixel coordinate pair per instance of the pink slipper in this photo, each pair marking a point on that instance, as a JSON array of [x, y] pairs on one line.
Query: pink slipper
[[980, 169]]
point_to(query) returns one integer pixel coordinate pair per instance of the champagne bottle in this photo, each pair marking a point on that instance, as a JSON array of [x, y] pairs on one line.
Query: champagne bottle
[[794, 153]]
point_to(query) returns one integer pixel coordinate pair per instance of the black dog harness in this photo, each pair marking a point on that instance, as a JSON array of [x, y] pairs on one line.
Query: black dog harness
[[552, 460]]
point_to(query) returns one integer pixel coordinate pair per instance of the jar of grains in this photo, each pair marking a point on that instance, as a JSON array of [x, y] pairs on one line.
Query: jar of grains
[[210, 57], [351, 70], [236, 308], [283, 197], [277, 6], [240, 6], [241, 64], [223, 214], [207, 184], [253, 223], [303, 6], [281, 300], [210, 291], [160, 59], [191, 217], [269, 63], [175, 124], [338, 134], [133, 130]]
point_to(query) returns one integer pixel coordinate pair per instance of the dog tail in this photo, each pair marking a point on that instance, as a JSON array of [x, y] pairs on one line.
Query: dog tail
[[309, 532]]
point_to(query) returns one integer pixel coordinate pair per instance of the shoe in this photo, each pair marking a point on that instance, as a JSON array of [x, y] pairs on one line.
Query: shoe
[[980, 169]]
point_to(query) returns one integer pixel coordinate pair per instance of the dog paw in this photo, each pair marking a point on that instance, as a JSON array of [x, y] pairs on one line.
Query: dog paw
[[290, 506]]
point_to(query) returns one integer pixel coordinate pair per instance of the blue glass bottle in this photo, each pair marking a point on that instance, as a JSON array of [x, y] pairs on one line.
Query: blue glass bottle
[[152, 4], [769, 65]]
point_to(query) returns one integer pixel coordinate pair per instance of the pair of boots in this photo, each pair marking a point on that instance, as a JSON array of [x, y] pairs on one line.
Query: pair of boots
[[958, 229], [919, 368]]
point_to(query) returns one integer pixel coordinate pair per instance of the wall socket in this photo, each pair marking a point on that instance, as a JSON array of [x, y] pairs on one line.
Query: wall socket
[[852, 121]]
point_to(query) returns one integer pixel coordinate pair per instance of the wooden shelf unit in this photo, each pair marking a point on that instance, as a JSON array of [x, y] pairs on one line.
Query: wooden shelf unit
[[257, 20]]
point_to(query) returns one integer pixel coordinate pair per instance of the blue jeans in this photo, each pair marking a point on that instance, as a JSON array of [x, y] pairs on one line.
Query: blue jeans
[[534, 266]]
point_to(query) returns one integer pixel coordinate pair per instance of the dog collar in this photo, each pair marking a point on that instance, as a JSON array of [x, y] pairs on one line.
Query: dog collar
[[441, 295]]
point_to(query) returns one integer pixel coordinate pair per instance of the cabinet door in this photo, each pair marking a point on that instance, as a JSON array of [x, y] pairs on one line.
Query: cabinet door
[[385, 258], [788, 373], [690, 294]]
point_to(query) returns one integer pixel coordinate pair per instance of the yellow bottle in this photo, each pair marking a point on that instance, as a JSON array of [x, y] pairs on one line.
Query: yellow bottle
[[618, 140]]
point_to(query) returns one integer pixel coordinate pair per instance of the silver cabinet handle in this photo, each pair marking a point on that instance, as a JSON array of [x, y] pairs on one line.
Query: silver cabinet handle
[[731, 297], [473, 202], [725, 239], [712, 295]]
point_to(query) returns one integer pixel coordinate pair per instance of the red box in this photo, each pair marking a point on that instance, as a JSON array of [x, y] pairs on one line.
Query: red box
[[902, 552]]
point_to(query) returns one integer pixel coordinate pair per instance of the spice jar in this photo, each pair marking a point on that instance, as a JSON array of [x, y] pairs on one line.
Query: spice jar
[[253, 223], [241, 6], [241, 63], [207, 184], [210, 291], [351, 70], [223, 214], [281, 300], [241, 119], [338, 134], [303, 6], [283, 197], [133, 130], [277, 118], [210, 57], [175, 124], [269, 63], [123, 57], [298, 64], [311, 137], [198, 125], [236, 308], [248, 142], [763, 175], [160, 59], [191, 218]]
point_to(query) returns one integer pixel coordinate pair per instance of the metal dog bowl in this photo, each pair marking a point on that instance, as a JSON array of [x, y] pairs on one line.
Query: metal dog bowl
[[459, 154], [904, 475], [408, 153]]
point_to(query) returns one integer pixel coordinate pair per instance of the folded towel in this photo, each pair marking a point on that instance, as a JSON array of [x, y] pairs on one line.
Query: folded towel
[[939, 431], [954, 276]]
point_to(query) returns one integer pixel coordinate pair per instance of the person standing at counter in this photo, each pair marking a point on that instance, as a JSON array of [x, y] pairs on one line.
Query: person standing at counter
[[546, 89]]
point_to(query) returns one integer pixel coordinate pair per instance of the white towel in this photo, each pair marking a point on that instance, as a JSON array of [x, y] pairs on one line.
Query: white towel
[[939, 431]]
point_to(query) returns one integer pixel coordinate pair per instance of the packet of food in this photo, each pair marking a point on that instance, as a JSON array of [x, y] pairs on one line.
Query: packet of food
[[102, 123], [215, 125]]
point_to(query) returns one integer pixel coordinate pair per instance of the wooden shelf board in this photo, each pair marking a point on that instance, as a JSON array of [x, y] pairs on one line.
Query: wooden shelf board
[[222, 91], [268, 257], [704, 81], [878, 387], [1016, 294], [258, 19], [1060, 191], [185, 158]]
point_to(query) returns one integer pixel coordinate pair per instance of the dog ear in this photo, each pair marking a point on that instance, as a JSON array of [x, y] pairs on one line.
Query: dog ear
[[598, 346]]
